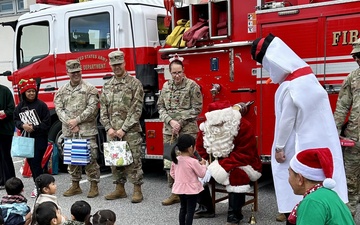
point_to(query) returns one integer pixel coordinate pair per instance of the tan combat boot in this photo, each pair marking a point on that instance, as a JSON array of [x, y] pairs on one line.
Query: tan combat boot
[[73, 190], [137, 195], [118, 193], [171, 200], [94, 191]]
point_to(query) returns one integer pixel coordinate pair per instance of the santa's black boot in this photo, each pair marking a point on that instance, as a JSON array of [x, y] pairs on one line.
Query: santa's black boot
[[236, 202]]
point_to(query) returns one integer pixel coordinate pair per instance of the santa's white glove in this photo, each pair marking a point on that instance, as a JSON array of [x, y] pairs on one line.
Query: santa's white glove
[[206, 178]]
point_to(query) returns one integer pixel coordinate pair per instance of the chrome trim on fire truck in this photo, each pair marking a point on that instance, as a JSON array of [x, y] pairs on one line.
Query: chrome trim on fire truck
[[152, 120], [199, 53], [303, 6], [216, 46], [231, 64]]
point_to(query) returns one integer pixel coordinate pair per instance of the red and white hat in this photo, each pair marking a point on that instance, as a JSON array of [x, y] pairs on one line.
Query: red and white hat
[[315, 164]]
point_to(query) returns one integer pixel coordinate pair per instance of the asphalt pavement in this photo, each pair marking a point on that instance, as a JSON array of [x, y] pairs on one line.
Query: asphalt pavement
[[150, 211]]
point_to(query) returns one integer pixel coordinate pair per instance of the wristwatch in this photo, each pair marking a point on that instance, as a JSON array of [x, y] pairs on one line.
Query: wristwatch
[[277, 150]]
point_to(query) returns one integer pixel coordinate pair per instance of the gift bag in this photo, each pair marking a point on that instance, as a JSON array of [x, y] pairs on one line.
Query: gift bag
[[53, 163], [168, 148], [23, 146], [117, 153], [76, 151]]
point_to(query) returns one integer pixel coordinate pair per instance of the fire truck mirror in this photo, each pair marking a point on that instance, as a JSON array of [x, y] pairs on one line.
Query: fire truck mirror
[[6, 73]]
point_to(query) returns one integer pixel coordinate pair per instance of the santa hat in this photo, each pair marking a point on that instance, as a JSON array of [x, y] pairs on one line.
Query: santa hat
[[218, 105], [25, 85], [316, 165]]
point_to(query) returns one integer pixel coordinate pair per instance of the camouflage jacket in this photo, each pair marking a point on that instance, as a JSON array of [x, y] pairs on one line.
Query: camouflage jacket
[[80, 103], [349, 99], [182, 103], [121, 103]]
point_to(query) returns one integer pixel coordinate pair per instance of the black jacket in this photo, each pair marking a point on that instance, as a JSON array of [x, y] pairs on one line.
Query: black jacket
[[7, 104], [37, 108]]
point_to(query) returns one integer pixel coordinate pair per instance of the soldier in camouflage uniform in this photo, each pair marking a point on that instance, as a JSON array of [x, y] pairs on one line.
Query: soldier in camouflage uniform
[[121, 105], [179, 104], [349, 101], [76, 104]]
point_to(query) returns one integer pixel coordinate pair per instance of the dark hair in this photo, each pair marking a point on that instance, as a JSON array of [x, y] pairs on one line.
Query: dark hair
[[43, 181], [183, 143], [81, 211], [104, 217], [44, 213], [176, 61], [14, 186]]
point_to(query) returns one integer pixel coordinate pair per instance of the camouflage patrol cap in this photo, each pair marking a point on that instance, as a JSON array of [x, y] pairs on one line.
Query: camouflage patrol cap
[[73, 65], [116, 57], [356, 46]]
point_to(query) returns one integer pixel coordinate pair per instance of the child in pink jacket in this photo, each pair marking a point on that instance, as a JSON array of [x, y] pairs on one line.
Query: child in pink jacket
[[185, 170]]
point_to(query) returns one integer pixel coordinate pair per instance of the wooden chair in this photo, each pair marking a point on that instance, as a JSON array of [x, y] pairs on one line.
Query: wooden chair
[[215, 187]]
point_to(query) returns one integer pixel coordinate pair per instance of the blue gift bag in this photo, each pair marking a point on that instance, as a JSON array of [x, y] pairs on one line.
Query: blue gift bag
[[76, 151], [22, 147]]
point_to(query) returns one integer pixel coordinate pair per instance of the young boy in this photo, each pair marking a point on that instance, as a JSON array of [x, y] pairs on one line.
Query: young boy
[[14, 206], [310, 175], [80, 213]]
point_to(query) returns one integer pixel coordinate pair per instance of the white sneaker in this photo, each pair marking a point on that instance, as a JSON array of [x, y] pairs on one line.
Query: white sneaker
[[34, 193]]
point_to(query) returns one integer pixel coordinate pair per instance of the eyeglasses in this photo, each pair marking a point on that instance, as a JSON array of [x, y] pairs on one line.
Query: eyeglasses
[[356, 55], [176, 73]]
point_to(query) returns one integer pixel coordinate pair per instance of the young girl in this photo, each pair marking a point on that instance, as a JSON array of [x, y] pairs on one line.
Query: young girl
[[46, 213], [104, 217], [185, 170], [33, 116], [46, 187]]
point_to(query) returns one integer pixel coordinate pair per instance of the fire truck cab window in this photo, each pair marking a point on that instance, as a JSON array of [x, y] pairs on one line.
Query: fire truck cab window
[[30, 49], [89, 32]]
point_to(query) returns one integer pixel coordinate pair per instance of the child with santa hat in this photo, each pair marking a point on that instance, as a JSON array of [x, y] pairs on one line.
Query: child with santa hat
[[310, 175]]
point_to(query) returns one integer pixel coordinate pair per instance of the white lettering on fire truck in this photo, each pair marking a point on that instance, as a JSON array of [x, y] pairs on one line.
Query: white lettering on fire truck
[[346, 37]]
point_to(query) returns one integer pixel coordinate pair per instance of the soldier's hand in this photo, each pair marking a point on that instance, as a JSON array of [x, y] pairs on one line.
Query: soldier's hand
[[175, 126], [72, 123], [120, 133], [111, 132], [76, 129]]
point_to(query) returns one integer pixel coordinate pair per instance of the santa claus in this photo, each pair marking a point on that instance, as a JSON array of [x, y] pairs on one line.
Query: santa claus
[[231, 142]]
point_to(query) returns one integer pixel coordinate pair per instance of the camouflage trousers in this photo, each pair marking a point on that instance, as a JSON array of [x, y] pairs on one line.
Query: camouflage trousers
[[167, 163], [92, 169], [352, 169], [134, 171]]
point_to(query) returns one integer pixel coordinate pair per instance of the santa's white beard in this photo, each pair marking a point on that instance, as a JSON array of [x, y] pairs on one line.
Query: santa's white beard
[[220, 129]]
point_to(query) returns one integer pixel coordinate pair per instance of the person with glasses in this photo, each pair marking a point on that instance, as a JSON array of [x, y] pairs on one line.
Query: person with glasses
[[179, 104], [346, 116]]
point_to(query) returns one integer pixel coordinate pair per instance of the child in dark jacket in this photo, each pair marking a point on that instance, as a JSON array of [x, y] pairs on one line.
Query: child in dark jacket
[[15, 210], [80, 213], [32, 116]]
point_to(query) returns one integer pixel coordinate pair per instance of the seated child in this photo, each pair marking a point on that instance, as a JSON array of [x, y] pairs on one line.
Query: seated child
[[46, 189], [46, 213], [80, 213], [15, 210], [104, 217]]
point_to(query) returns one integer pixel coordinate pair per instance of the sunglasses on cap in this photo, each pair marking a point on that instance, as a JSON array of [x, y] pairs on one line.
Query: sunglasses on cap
[[356, 55]]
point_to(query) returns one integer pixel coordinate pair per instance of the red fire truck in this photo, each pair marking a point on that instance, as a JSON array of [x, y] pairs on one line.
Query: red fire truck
[[218, 60]]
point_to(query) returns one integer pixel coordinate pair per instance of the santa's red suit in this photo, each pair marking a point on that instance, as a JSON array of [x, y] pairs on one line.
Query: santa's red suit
[[231, 141]]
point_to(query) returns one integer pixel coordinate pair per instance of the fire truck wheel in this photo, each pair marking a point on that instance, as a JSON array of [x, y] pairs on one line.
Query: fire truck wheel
[[55, 135]]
